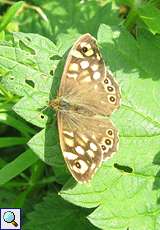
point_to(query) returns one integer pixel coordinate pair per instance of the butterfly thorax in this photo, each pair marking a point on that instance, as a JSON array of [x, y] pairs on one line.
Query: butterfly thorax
[[61, 104]]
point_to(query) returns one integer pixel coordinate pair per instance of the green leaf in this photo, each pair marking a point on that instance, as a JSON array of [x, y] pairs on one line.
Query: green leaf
[[10, 14], [2, 35], [29, 74], [6, 197], [151, 17], [57, 214], [125, 2], [17, 166], [12, 141], [8, 119], [126, 188], [27, 71], [31, 108], [45, 145], [69, 17]]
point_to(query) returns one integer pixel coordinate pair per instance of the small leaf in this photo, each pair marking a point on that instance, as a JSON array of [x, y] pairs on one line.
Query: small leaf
[[10, 14], [17, 166], [11, 141], [10, 120], [151, 17]]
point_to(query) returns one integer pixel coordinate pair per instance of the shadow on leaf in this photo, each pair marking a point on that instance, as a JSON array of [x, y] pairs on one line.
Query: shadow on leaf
[[69, 17], [127, 55], [53, 153], [156, 161], [156, 183]]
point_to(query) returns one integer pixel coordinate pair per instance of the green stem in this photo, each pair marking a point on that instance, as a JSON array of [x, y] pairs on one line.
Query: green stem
[[20, 184], [23, 175], [28, 6], [15, 184], [131, 19], [47, 180], [37, 171], [133, 14]]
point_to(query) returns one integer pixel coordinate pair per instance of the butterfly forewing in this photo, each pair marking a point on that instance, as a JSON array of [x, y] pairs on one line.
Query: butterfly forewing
[[87, 94], [87, 81]]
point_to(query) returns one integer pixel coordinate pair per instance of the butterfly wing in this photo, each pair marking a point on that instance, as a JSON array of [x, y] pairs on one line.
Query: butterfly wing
[[86, 81], [85, 143], [86, 88]]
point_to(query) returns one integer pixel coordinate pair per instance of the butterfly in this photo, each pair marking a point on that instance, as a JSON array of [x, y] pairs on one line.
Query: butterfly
[[87, 95]]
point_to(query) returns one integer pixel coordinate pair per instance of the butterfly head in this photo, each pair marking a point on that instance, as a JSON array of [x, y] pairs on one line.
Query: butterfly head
[[60, 104], [55, 104]]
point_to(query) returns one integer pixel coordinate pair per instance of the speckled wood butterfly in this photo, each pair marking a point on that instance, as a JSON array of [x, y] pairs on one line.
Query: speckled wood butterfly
[[87, 95]]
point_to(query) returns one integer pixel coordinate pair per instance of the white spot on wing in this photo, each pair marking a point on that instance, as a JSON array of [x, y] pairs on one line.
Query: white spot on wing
[[90, 153], [79, 150], [93, 146], [70, 156], [94, 67], [96, 75], [84, 64]]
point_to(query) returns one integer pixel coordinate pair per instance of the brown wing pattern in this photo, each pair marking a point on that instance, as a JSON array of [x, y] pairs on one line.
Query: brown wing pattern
[[86, 142], [86, 81], [88, 89]]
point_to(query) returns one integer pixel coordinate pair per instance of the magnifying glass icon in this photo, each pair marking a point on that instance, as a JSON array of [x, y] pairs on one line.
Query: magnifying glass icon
[[9, 217]]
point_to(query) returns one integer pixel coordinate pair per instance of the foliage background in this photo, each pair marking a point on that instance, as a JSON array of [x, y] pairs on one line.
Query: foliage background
[[34, 39]]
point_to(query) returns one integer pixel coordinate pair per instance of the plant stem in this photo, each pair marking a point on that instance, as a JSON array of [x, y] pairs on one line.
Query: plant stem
[[28, 6], [131, 19], [133, 14]]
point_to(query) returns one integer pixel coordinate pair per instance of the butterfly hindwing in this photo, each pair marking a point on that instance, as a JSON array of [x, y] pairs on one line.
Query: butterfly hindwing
[[85, 143]]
